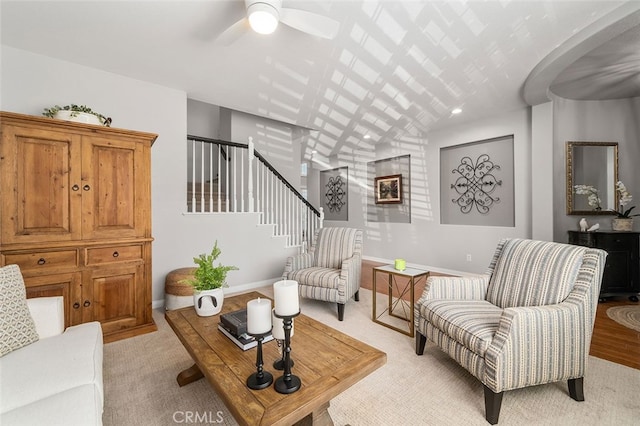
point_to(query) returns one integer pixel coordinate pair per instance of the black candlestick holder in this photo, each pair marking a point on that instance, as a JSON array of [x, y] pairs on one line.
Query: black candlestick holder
[[288, 383], [279, 363], [260, 379]]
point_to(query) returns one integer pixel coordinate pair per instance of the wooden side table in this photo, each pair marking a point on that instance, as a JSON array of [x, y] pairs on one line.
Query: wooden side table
[[396, 296]]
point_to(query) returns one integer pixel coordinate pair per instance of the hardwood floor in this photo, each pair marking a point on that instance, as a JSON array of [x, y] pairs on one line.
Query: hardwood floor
[[613, 341], [610, 341]]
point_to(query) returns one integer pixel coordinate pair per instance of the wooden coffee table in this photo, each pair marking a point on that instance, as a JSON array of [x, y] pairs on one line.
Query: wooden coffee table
[[326, 361]]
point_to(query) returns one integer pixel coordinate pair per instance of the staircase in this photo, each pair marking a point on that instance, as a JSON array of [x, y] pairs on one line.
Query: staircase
[[202, 197], [228, 177]]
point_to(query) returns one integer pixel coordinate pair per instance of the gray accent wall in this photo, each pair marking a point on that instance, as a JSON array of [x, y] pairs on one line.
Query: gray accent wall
[[606, 121], [467, 172], [425, 241]]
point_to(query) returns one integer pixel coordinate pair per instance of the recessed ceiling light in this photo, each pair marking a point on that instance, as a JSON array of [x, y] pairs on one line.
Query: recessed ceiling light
[[367, 136], [263, 18], [456, 111]]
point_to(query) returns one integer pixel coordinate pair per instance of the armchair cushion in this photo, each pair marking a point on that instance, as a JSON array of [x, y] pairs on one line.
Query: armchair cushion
[[48, 315], [17, 328], [472, 323], [78, 406], [52, 366], [534, 273], [320, 277]]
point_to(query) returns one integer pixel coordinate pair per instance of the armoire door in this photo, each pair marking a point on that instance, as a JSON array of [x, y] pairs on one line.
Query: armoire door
[[115, 194], [40, 169], [115, 296]]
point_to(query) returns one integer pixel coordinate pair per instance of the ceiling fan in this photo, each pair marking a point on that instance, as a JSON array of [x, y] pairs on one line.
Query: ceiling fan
[[263, 17]]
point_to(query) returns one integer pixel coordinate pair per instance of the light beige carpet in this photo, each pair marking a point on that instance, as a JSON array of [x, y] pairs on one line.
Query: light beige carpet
[[629, 316], [140, 385]]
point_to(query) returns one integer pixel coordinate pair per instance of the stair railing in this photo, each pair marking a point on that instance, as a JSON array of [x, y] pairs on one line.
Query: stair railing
[[223, 177]]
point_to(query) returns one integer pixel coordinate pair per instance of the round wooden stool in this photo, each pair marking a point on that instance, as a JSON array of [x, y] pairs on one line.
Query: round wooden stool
[[178, 294]]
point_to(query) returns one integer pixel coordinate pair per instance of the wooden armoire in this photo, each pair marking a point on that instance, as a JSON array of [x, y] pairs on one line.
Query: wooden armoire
[[75, 215]]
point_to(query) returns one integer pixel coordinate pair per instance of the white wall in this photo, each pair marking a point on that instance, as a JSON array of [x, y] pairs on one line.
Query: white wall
[[31, 82], [273, 139], [541, 157], [203, 119], [425, 241], [596, 121], [280, 143]]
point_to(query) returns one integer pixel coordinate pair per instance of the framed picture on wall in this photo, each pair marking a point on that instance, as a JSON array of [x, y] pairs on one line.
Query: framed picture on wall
[[388, 189]]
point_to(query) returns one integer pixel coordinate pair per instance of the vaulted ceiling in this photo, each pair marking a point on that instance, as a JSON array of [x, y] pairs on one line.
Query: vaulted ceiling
[[395, 70], [610, 71]]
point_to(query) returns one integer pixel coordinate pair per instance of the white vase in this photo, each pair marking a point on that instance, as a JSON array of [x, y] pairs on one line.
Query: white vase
[[208, 302], [622, 224]]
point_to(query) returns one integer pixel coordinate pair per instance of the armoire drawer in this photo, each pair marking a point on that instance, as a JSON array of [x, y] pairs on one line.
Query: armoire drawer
[[43, 260], [113, 254]]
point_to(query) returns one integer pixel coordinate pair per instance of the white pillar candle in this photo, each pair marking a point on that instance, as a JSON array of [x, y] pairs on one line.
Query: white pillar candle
[[258, 316], [286, 297], [278, 327]]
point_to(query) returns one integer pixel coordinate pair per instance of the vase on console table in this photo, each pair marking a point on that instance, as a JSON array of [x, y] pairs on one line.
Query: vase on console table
[[622, 224]]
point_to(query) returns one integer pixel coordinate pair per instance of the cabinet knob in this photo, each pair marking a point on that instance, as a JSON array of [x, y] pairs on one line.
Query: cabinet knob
[[76, 305], [116, 254], [75, 187], [41, 261], [86, 303], [86, 187]]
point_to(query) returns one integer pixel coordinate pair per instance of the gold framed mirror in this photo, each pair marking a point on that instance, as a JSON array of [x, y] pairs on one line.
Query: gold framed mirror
[[593, 164]]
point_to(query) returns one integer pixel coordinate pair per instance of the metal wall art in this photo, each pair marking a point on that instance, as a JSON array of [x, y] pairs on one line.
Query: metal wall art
[[335, 195], [334, 190], [475, 184]]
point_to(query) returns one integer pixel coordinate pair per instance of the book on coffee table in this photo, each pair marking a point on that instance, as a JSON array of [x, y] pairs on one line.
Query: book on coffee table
[[244, 341], [235, 322]]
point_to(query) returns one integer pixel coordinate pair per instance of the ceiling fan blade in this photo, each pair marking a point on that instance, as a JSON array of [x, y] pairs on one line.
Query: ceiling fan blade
[[309, 22], [233, 33]]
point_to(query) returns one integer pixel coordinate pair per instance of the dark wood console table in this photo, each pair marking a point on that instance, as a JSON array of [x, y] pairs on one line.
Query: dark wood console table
[[622, 268]]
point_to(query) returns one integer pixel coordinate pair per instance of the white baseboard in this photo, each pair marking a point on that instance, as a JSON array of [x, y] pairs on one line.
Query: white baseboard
[[423, 267], [229, 291], [158, 304]]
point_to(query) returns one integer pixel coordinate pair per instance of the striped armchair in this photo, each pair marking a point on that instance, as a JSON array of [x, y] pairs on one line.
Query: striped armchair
[[330, 271], [526, 322]]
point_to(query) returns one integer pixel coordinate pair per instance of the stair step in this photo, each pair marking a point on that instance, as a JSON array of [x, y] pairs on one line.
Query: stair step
[[198, 204]]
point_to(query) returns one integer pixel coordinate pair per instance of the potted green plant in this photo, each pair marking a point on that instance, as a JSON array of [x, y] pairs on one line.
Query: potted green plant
[[78, 113], [208, 281]]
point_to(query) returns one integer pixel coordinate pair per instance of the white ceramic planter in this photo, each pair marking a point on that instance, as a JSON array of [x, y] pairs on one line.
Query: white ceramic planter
[[79, 117], [208, 302]]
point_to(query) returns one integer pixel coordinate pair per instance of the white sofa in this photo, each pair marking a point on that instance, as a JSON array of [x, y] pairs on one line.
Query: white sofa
[[56, 380]]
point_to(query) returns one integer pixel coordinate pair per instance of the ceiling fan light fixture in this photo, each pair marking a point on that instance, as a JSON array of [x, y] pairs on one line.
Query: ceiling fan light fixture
[[263, 18]]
